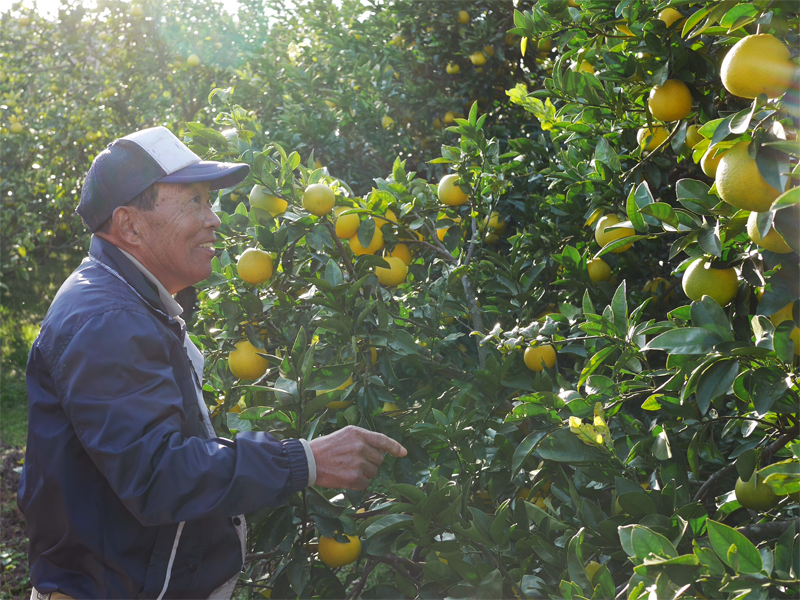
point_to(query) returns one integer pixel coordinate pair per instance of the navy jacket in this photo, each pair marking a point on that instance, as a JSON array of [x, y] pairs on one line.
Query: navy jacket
[[117, 455]]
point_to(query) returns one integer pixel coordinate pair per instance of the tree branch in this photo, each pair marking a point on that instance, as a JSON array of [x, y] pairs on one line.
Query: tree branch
[[342, 253], [715, 478], [767, 531], [368, 567]]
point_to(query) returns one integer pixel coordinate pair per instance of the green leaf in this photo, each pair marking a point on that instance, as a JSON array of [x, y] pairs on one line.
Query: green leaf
[[605, 154], [787, 224], [706, 313], [646, 543], [575, 563], [619, 306], [632, 210], [723, 539], [564, 446], [387, 524], [746, 464], [662, 212], [524, 449], [490, 587], [715, 381], [685, 340]]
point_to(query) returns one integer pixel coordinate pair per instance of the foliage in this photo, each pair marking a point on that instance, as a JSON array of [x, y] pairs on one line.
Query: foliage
[[76, 83], [626, 452]]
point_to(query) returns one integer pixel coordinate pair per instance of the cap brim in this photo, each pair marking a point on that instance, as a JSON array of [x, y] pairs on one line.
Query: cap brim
[[219, 175]]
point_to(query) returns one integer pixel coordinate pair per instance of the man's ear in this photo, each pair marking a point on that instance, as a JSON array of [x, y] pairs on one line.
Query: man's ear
[[125, 227]]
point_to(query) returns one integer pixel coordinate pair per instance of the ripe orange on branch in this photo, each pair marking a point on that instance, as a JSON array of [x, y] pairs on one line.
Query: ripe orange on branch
[[739, 182], [605, 236], [671, 101], [758, 64], [450, 193], [701, 279], [338, 554], [537, 357], [318, 199], [254, 266]]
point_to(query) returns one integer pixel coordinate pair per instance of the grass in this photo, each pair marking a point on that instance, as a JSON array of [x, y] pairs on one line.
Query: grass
[[23, 304]]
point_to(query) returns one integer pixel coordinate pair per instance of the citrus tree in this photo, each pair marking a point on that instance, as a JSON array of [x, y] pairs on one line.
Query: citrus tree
[[584, 331], [71, 84]]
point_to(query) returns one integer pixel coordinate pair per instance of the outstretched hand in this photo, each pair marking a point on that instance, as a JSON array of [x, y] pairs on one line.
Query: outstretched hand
[[350, 457]]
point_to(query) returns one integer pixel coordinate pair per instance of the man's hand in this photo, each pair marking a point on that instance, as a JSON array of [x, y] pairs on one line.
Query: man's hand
[[350, 457]]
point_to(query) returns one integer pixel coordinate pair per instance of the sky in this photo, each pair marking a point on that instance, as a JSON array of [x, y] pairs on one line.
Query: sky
[[49, 8]]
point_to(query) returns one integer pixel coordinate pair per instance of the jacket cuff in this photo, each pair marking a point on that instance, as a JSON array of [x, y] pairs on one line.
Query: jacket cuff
[[298, 464]]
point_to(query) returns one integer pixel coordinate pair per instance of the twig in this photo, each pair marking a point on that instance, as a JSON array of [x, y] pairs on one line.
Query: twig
[[261, 555], [477, 320], [443, 253], [654, 152], [715, 478], [368, 567], [767, 531]]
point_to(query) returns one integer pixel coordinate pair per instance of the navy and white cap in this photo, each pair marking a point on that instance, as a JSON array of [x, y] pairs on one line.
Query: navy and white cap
[[133, 163]]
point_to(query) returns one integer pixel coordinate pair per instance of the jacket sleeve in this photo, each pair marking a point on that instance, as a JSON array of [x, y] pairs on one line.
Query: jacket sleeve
[[118, 389]]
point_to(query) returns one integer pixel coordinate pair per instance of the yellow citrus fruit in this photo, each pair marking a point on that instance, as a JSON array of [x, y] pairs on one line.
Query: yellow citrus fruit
[[24, 21], [491, 238], [245, 363], [374, 245], [193, 61], [537, 357], [390, 218], [478, 58], [786, 314], [692, 136], [739, 182], [338, 403], [488, 51], [318, 199], [387, 121], [710, 162], [494, 222], [395, 274], [671, 101], [136, 11], [757, 64], [453, 69], [449, 116], [373, 355], [390, 407], [598, 270], [669, 16], [403, 252], [700, 279], [545, 45], [437, 123], [463, 17], [16, 127], [442, 231], [596, 214], [254, 266], [772, 241], [592, 567], [651, 138], [346, 225], [259, 198], [338, 554], [657, 285], [605, 236], [755, 494], [450, 193], [585, 66]]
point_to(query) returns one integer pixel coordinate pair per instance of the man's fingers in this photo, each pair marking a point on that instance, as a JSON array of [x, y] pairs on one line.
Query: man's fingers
[[373, 455], [384, 443]]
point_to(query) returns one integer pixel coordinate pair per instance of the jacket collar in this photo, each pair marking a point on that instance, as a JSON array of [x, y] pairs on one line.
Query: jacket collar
[[110, 255]]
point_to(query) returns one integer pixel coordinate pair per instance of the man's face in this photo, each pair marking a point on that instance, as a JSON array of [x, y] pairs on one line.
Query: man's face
[[178, 235]]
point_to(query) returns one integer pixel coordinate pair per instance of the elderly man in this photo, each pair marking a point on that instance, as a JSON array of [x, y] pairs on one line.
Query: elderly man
[[126, 490]]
